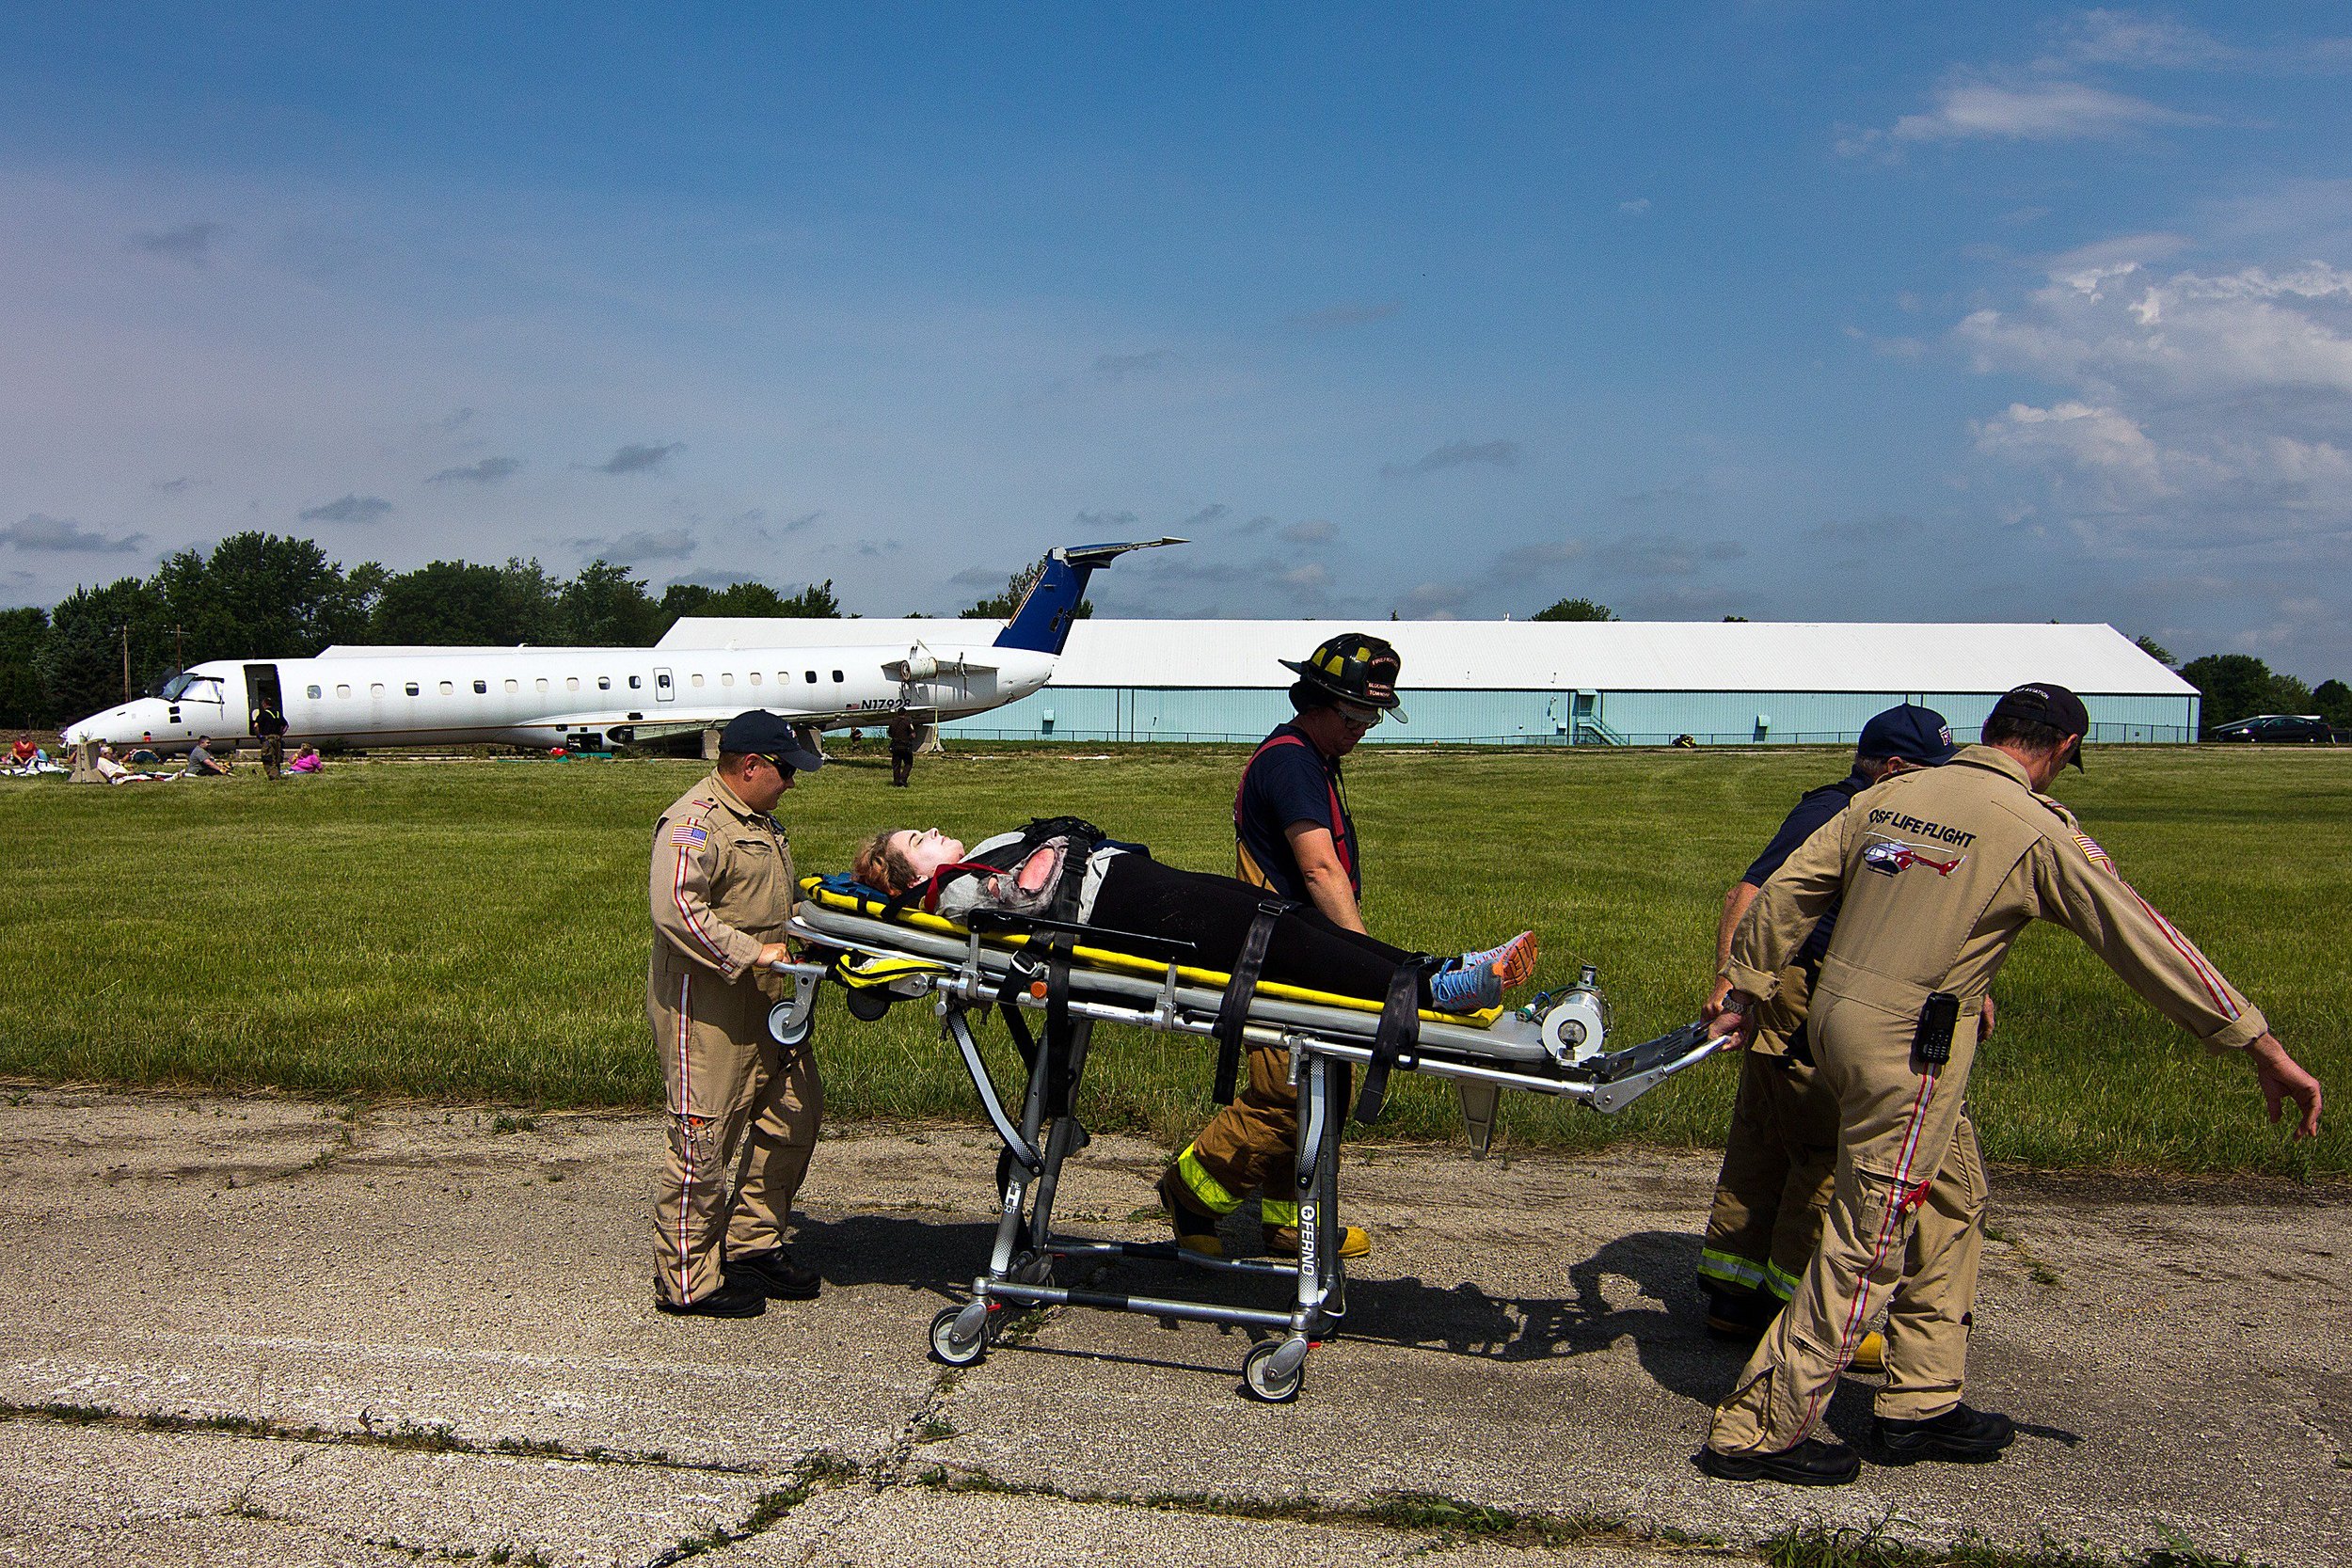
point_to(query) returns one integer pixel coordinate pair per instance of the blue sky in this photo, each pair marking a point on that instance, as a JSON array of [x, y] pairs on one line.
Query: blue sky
[[1794, 311]]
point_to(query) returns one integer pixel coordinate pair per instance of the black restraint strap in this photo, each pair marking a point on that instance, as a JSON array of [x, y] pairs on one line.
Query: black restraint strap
[[1399, 1032], [1233, 1011], [1059, 1086]]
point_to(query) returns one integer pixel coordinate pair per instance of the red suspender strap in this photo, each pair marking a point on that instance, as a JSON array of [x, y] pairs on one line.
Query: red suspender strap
[[1339, 817]]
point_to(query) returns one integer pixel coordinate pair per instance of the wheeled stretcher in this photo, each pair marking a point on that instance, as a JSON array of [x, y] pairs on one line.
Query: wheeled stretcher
[[882, 956]]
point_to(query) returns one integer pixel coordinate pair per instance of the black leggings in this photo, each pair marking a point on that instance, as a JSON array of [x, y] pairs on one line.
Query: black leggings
[[1213, 914]]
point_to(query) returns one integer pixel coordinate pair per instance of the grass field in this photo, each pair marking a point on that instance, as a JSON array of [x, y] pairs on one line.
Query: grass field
[[476, 932]]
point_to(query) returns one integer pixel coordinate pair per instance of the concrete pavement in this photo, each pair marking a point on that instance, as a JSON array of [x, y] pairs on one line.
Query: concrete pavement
[[269, 1331]]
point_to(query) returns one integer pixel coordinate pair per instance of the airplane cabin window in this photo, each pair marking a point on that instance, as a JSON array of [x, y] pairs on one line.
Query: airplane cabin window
[[514, 685], [541, 683], [480, 688], [571, 683], [812, 677], [697, 680], [412, 688], [633, 683], [342, 691], [449, 689], [604, 683], [376, 688], [755, 678], [727, 679], [313, 691], [836, 675]]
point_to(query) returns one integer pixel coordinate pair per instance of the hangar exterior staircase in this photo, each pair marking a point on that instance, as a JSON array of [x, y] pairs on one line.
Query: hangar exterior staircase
[[1590, 731]]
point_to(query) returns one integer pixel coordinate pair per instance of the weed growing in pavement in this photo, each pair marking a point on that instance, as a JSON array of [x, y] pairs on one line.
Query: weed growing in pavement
[[1821, 1546]]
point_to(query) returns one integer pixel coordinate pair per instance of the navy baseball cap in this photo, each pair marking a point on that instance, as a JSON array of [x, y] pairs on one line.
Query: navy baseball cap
[[2047, 703], [1909, 732], [760, 732]]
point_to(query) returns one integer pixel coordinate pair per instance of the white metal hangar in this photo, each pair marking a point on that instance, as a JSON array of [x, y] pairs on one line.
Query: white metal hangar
[[1646, 683]]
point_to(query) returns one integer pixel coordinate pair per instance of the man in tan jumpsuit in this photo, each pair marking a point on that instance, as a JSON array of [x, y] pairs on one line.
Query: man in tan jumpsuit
[[721, 891], [1939, 872], [1781, 1156]]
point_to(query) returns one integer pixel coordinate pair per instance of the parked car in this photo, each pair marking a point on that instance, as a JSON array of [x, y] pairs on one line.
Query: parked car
[[2278, 727]]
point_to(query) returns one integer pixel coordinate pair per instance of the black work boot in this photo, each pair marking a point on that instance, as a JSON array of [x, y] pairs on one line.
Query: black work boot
[[1740, 1315], [1970, 1436], [775, 1273], [739, 1297], [1811, 1462]]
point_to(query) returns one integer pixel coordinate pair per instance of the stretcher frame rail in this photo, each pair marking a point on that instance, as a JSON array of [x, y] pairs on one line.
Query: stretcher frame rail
[[964, 969]]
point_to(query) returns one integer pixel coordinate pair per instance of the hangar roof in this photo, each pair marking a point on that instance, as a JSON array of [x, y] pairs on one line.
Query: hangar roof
[[1607, 655]]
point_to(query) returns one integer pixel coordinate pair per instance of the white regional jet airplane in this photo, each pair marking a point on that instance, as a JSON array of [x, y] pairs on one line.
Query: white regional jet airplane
[[582, 697]]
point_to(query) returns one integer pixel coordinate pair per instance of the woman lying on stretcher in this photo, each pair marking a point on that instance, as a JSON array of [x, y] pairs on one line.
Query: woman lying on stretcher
[[1064, 869]]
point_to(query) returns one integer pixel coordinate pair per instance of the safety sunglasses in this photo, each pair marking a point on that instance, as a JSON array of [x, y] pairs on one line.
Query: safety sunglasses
[[1361, 718]]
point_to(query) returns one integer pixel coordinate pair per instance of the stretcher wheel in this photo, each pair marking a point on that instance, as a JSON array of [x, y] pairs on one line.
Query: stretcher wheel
[[1274, 1370], [946, 1347]]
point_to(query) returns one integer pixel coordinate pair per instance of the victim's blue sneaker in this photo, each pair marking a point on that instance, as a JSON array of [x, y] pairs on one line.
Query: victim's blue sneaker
[[1477, 981]]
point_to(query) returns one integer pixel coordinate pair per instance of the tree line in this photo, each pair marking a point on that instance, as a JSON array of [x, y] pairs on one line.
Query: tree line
[[261, 595]]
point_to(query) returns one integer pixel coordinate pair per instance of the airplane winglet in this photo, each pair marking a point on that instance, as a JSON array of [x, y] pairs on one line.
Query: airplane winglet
[[1042, 623]]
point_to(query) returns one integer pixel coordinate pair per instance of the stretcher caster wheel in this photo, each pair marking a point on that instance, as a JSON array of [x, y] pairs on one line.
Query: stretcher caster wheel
[[1273, 1371], [957, 1350]]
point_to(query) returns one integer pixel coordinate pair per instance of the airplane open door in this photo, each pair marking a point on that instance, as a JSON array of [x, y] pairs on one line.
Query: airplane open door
[[260, 691], [665, 689]]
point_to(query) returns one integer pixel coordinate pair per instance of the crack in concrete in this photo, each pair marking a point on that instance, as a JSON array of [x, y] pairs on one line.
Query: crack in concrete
[[1447, 1521], [408, 1436]]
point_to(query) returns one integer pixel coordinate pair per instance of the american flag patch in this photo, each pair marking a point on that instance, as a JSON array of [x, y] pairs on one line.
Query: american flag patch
[[693, 832], [2097, 856]]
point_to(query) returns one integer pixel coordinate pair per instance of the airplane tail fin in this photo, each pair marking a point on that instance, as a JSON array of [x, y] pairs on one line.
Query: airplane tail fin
[[1042, 622]]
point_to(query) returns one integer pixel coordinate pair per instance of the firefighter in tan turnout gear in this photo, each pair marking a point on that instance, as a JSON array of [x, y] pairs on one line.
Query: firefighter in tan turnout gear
[[721, 891], [1939, 871], [1294, 837]]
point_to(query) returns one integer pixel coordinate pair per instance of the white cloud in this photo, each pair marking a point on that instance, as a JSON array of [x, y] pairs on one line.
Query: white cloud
[[1636, 207], [2198, 405], [2098, 440], [2192, 334], [2127, 39], [1970, 109]]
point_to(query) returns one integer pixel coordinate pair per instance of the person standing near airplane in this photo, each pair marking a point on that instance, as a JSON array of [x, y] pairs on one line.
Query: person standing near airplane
[[270, 725], [721, 889]]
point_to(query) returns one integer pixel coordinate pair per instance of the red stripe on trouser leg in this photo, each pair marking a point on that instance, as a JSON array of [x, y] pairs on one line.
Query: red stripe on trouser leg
[[685, 1136], [1899, 1202]]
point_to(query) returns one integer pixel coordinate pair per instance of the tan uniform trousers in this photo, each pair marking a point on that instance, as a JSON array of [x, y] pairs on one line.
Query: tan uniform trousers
[[1779, 1162], [731, 1088], [1905, 1233], [1252, 1143]]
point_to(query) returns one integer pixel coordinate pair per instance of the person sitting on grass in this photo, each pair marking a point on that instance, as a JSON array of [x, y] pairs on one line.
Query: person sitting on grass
[[306, 760], [1118, 888], [202, 764]]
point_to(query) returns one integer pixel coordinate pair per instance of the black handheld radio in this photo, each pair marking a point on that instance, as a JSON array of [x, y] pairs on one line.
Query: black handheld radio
[[1933, 1041]]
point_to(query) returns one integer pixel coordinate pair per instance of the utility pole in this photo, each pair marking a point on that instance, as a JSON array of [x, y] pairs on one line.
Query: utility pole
[[125, 629], [179, 648]]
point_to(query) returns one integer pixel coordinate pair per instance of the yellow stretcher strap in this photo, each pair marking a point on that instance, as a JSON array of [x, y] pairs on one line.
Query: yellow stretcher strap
[[814, 890]]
